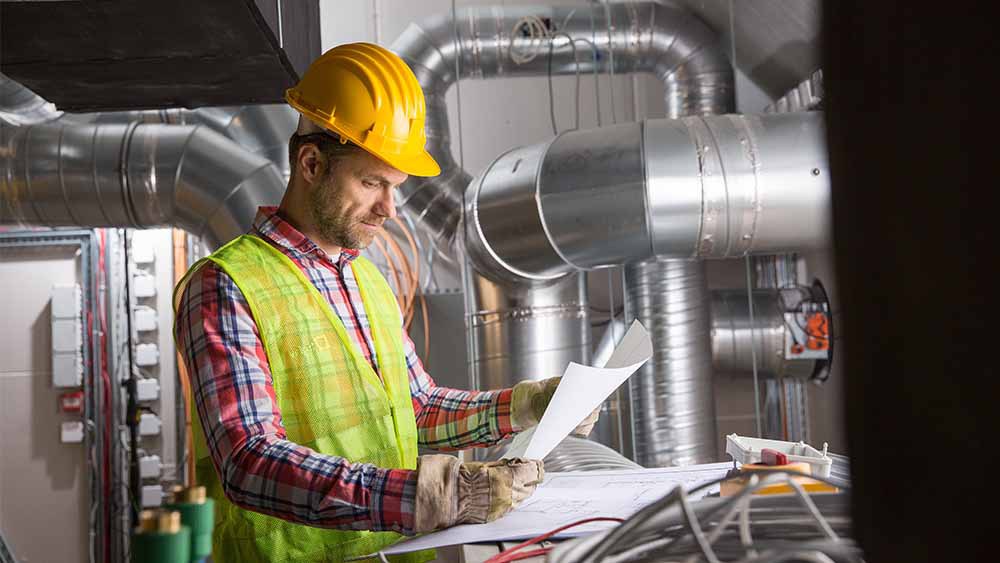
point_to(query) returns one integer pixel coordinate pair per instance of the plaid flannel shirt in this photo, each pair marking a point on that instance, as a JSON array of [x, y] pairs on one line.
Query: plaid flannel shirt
[[259, 468]]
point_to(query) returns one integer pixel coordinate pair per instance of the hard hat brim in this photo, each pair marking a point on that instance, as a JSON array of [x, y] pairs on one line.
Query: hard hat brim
[[422, 164]]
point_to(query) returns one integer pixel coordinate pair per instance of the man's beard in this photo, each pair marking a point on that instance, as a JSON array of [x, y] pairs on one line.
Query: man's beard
[[333, 225]]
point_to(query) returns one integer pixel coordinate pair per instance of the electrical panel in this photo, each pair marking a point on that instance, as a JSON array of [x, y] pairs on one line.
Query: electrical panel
[[67, 336]]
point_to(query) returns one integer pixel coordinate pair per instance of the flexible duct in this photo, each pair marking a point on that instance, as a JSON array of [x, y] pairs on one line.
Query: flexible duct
[[578, 454], [136, 175], [673, 404], [662, 39], [21, 106]]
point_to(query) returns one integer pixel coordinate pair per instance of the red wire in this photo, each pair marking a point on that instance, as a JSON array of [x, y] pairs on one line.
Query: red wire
[[510, 555], [106, 381], [528, 554]]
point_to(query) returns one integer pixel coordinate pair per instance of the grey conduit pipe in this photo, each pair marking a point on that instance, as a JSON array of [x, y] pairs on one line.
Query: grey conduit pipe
[[134, 175], [662, 39]]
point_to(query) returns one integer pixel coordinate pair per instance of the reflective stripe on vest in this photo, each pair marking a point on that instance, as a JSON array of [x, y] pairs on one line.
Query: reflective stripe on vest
[[331, 399]]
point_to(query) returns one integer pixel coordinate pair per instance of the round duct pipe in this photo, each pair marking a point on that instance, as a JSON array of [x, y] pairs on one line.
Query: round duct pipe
[[663, 39], [136, 176], [777, 337], [699, 187]]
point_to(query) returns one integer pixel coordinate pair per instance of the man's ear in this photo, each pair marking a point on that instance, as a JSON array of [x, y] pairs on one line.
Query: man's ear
[[312, 162]]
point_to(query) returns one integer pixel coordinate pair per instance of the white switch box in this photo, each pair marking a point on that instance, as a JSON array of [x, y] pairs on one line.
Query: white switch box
[[149, 466], [144, 285], [147, 389], [149, 424], [147, 355], [67, 369], [145, 319], [142, 250], [66, 335], [66, 301], [71, 432], [152, 495]]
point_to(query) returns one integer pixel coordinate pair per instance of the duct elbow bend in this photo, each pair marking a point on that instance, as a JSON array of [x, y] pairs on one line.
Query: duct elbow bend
[[216, 185]]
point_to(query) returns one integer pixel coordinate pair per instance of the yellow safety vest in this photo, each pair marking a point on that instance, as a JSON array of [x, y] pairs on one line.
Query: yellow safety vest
[[331, 399]]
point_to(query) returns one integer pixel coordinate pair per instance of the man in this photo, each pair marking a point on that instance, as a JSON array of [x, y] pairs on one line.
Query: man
[[310, 397]]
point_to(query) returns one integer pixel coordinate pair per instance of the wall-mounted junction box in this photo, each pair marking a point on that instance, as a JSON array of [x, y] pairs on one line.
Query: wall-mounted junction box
[[67, 336]]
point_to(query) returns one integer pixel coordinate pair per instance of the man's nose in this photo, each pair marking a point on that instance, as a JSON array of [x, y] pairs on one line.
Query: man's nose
[[387, 204]]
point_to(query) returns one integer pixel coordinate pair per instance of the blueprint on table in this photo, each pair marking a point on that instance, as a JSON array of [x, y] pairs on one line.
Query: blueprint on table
[[563, 498]]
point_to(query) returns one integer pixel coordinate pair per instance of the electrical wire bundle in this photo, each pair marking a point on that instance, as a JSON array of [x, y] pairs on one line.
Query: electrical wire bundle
[[744, 528], [404, 274]]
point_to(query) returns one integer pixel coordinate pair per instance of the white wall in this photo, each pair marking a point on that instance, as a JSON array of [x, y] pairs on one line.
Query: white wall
[[43, 482]]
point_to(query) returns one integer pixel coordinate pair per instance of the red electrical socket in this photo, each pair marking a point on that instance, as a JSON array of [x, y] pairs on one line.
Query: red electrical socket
[[71, 401]]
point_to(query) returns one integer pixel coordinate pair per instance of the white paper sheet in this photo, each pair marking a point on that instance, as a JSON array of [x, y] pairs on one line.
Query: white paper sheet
[[563, 498], [581, 390]]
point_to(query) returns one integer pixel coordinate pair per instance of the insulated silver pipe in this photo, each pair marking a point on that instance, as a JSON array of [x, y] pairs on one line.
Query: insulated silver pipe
[[490, 42], [578, 454], [524, 332], [262, 129], [673, 404], [699, 187], [733, 335], [136, 175], [20, 106]]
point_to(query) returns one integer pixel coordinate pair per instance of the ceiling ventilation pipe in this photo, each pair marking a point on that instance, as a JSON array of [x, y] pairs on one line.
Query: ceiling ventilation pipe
[[262, 129], [20, 106], [133, 175], [482, 42], [699, 187], [656, 196]]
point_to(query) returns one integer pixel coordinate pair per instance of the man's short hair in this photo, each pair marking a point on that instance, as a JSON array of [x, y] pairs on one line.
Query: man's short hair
[[331, 147]]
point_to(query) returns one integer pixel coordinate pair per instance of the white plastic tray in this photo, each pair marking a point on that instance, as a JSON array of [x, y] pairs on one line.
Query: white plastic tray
[[747, 450]]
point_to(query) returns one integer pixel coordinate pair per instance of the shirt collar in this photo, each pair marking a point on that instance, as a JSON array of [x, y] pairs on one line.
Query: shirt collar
[[271, 225]]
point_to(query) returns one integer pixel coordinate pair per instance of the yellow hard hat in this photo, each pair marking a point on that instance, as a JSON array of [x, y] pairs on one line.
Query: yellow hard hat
[[367, 94]]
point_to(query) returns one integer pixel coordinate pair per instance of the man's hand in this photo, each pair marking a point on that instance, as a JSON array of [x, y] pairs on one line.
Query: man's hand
[[450, 492], [530, 399]]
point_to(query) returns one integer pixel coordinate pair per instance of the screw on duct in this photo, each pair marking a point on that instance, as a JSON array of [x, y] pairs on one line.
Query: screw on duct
[[197, 512], [161, 538]]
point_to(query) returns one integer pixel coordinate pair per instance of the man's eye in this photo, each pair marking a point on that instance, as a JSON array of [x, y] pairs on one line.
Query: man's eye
[[368, 184]]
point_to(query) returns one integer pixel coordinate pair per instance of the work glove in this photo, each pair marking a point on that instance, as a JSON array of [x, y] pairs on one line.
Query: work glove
[[450, 492], [530, 399]]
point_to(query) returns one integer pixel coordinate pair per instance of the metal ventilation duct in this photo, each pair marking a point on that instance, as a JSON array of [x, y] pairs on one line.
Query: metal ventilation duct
[[698, 187], [134, 175], [657, 196], [524, 332], [21, 106], [262, 129], [662, 39]]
